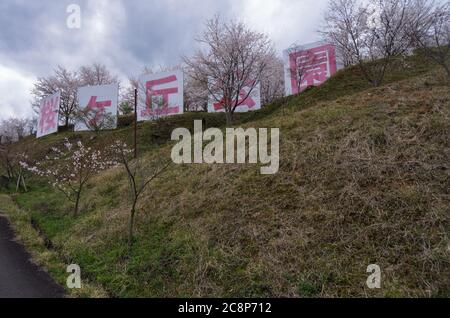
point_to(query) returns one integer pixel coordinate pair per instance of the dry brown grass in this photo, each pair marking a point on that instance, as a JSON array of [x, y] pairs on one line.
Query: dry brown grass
[[363, 179]]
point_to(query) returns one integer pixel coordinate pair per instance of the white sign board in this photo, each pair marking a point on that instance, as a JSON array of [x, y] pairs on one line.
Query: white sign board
[[248, 101], [160, 95], [309, 65], [99, 107], [48, 115]]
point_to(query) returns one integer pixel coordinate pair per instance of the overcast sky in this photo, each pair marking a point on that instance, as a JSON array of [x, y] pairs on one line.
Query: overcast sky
[[127, 35]]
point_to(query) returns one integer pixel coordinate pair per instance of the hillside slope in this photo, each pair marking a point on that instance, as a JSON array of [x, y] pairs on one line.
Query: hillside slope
[[364, 179]]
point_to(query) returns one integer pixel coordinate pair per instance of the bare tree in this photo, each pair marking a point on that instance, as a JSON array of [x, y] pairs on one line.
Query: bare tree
[[20, 126], [62, 81], [429, 29], [235, 57], [139, 178], [370, 34], [96, 74], [272, 80], [7, 137], [345, 26], [126, 105], [8, 131], [14, 129], [31, 125], [7, 160]]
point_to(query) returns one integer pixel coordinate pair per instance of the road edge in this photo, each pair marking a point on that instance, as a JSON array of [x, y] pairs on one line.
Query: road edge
[[49, 260]]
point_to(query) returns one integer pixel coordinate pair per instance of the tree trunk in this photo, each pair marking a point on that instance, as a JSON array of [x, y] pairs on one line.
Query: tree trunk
[[77, 204], [229, 118], [131, 225], [24, 184], [448, 70], [18, 183]]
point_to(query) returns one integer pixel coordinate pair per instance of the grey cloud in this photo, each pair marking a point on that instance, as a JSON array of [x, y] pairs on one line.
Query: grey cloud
[[124, 35]]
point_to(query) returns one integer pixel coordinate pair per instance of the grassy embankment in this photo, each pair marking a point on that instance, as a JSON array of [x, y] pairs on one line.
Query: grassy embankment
[[364, 178]]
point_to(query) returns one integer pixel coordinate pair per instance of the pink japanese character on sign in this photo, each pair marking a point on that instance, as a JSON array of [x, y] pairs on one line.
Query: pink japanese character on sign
[[98, 107], [244, 100], [162, 95], [48, 115], [309, 65], [99, 103], [248, 100]]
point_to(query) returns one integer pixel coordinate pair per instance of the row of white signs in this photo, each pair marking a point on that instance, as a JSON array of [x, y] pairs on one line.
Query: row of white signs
[[161, 94]]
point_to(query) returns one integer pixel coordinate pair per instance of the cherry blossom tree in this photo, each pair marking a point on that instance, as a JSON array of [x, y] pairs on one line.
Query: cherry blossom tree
[[67, 83], [272, 80], [235, 58], [63, 81], [195, 93], [70, 168], [14, 129]]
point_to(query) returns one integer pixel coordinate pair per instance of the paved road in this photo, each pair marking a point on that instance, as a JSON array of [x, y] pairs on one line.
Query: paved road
[[20, 278]]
